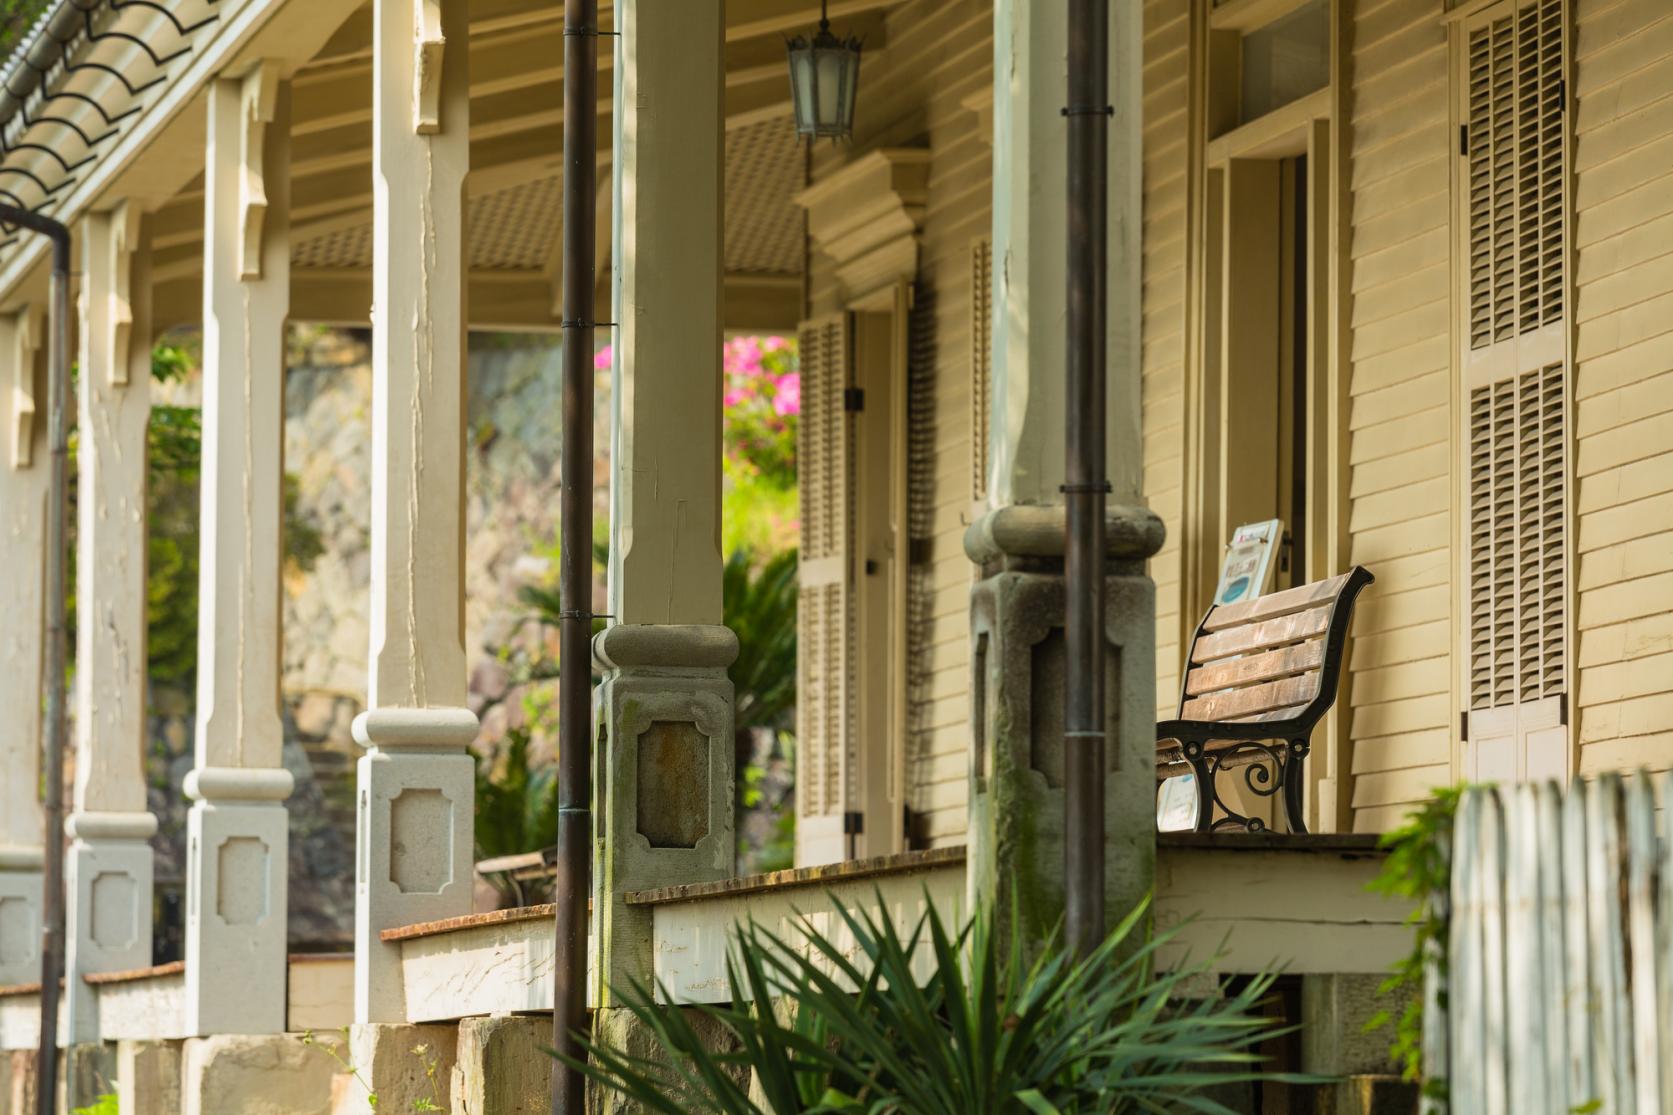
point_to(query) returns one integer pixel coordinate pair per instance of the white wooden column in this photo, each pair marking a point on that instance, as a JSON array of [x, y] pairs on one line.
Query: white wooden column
[[237, 832], [1030, 229], [666, 703], [24, 474], [108, 871], [416, 782]]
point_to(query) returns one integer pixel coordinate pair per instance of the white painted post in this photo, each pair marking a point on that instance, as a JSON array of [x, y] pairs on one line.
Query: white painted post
[[109, 867], [415, 810], [237, 831], [1030, 245], [666, 705], [23, 499]]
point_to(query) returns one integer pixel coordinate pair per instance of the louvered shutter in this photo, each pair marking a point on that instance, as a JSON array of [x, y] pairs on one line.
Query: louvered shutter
[[1516, 377], [981, 364], [827, 773]]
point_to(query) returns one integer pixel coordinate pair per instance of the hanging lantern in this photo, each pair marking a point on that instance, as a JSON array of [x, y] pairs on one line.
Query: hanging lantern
[[824, 77]]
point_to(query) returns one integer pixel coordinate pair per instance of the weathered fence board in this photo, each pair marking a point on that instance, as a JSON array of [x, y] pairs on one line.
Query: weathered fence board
[[1559, 976]]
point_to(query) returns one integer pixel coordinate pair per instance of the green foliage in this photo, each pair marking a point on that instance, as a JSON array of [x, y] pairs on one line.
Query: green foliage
[[16, 16], [427, 1059], [987, 1032], [1418, 869], [516, 805], [760, 606], [104, 1105]]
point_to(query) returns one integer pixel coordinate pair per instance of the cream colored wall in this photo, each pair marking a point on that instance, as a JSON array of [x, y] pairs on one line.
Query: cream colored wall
[[1623, 240], [938, 53], [1404, 718], [1166, 37]]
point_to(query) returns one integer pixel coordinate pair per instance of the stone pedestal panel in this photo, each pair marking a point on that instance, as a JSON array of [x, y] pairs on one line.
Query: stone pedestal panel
[[664, 777], [107, 874], [20, 927], [236, 857]]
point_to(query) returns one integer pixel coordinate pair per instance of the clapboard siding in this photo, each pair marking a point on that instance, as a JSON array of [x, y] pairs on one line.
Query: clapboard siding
[[1400, 413], [1623, 386], [936, 55], [1166, 33]]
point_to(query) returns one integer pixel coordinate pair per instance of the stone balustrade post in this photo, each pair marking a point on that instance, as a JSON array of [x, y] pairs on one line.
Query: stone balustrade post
[[1017, 541], [24, 490], [238, 828], [663, 768], [416, 783], [108, 871]]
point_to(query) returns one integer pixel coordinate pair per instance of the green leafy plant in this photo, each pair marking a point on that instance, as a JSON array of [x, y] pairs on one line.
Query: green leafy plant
[[759, 605], [104, 1105], [516, 806], [427, 1059], [1418, 869], [825, 1027]]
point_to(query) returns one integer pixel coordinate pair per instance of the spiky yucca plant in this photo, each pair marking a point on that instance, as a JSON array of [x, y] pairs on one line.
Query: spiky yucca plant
[[857, 1029]]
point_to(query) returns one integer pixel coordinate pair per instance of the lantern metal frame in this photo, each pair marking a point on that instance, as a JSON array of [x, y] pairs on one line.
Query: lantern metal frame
[[820, 112]]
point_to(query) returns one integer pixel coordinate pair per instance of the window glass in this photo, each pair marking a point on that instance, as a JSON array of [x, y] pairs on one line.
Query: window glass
[[1286, 60]]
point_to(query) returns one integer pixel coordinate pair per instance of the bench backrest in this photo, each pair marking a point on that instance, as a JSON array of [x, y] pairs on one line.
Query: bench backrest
[[1273, 658]]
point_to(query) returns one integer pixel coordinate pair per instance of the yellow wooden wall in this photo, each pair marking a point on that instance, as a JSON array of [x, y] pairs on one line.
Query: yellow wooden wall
[[1623, 240], [1401, 415], [937, 54], [1166, 86]]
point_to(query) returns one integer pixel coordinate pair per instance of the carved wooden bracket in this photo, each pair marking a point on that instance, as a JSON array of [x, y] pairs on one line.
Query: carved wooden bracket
[[124, 240], [260, 94], [428, 44], [866, 217], [27, 338]]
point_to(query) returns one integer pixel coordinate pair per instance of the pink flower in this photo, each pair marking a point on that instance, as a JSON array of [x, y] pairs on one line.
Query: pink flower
[[603, 358], [787, 400]]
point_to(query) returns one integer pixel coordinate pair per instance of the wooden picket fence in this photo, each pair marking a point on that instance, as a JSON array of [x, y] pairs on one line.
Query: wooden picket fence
[[1559, 979]]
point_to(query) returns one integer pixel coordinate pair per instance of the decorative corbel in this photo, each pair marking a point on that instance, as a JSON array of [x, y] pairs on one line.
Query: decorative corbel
[[26, 342], [124, 238], [428, 44], [257, 103]]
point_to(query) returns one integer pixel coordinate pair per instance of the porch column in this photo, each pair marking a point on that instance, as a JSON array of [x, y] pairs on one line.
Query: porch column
[[664, 762], [415, 807], [1017, 606], [108, 869], [24, 474], [237, 831]]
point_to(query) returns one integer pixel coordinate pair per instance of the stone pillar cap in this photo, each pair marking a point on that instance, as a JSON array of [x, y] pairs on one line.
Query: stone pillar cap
[[239, 783], [1037, 531], [416, 727], [21, 857], [668, 645], [111, 826]]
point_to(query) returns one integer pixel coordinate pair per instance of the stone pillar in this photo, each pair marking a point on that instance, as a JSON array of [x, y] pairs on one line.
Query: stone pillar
[[108, 869], [24, 473], [148, 1077], [663, 769], [237, 832], [1017, 662], [414, 806], [1017, 607]]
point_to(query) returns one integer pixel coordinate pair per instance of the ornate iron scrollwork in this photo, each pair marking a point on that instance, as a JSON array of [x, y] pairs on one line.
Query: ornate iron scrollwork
[[1275, 768]]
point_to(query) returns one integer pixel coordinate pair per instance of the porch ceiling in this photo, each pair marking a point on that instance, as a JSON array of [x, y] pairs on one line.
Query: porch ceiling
[[516, 143]]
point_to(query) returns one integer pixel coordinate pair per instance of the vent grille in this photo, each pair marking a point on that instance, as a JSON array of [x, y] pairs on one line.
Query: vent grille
[[1515, 152], [1517, 543], [981, 364]]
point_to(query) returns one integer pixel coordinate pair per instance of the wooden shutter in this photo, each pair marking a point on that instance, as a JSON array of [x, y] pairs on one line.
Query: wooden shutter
[[1516, 374], [827, 773], [981, 364]]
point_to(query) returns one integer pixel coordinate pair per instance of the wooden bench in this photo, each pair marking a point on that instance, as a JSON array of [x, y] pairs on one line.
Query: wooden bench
[[1260, 674]]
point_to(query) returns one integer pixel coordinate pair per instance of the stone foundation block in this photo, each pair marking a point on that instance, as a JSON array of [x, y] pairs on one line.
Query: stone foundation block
[[148, 1077], [619, 1028], [17, 1082], [400, 1064], [262, 1074], [1334, 1012], [503, 1067]]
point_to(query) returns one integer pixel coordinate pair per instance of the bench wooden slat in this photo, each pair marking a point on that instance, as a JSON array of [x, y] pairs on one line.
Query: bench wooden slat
[[1273, 715], [1319, 594], [1231, 672], [1291, 628], [1235, 704]]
